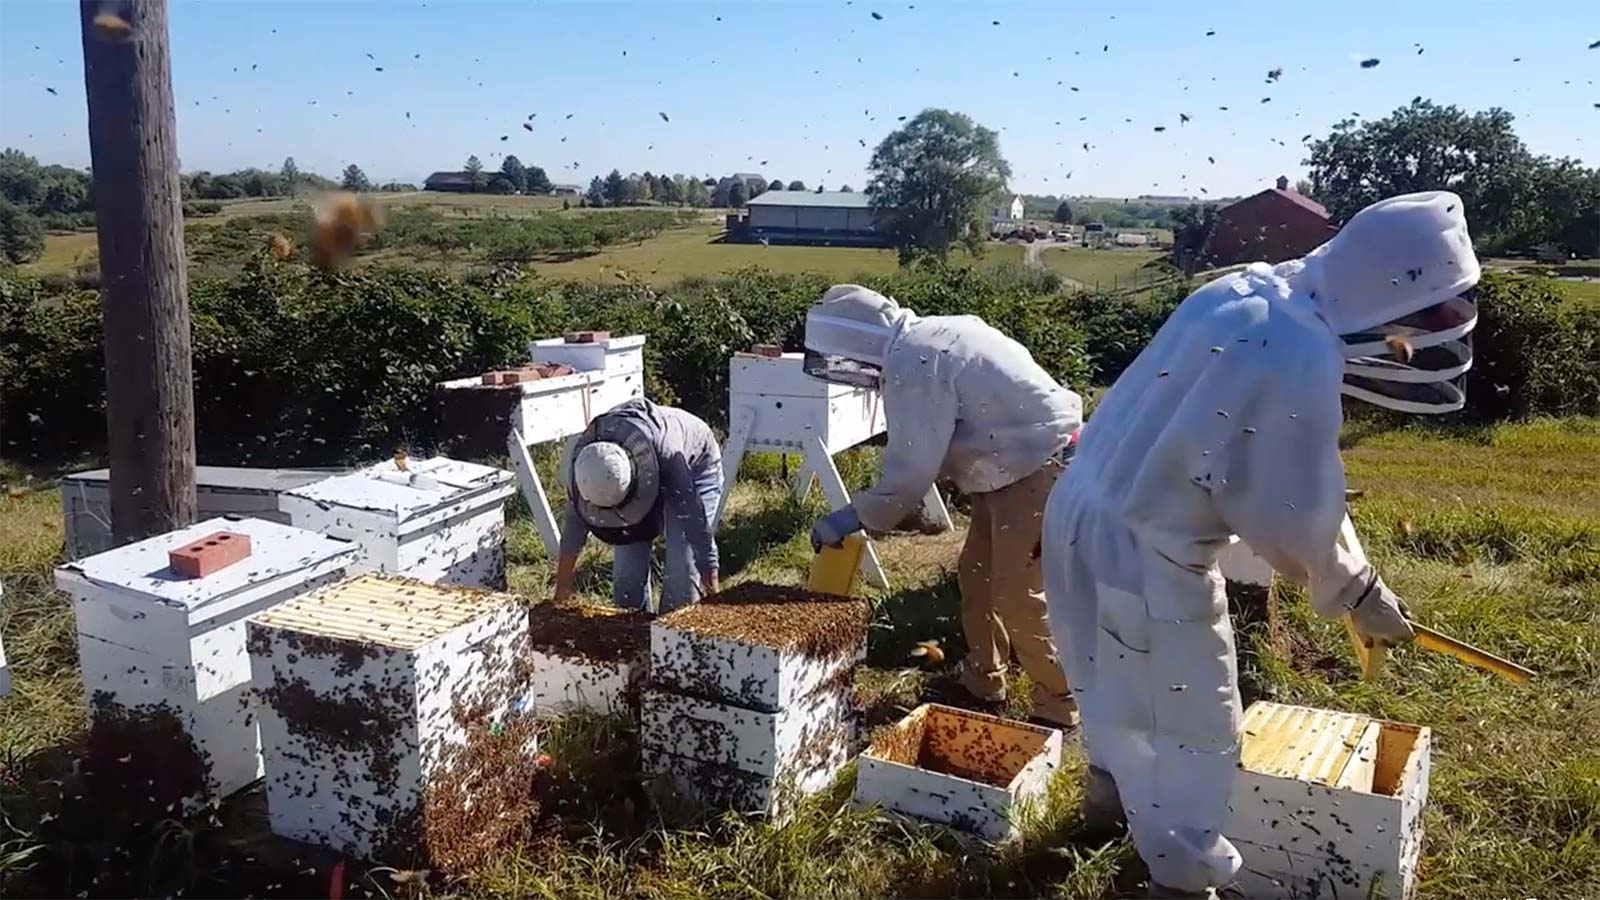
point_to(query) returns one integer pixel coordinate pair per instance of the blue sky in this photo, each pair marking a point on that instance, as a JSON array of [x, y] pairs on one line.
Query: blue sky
[[792, 89]]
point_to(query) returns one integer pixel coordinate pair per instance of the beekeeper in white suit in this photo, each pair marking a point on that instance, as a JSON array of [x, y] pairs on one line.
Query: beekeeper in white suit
[[1228, 423], [963, 399]]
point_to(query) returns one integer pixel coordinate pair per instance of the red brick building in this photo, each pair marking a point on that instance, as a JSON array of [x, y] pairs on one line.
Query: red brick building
[[1272, 226]]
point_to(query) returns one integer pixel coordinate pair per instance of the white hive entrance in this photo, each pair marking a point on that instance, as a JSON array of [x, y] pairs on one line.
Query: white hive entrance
[[389, 720], [748, 705]]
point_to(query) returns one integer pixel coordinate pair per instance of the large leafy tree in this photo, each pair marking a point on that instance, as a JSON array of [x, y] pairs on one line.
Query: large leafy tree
[[474, 170], [931, 180], [354, 179], [536, 181], [1063, 213], [738, 194], [290, 174], [515, 172], [616, 189], [796, 185], [596, 195]]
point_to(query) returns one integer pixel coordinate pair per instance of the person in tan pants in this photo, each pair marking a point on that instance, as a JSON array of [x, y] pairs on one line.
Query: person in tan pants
[[963, 400], [1002, 597]]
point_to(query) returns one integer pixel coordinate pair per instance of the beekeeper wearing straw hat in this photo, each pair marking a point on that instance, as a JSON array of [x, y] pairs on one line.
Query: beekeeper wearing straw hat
[[1228, 424], [638, 471], [962, 399]]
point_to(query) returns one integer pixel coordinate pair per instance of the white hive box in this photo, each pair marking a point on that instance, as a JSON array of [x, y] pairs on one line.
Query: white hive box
[[586, 658], [438, 520], [792, 407], [1325, 804], [773, 746], [958, 768], [219, 491], [620, 360], [726, 787], [5, 671], [752, 646], [382, 702], [152, 644]]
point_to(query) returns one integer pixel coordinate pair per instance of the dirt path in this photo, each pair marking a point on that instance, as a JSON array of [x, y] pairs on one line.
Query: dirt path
[[1033, 258]]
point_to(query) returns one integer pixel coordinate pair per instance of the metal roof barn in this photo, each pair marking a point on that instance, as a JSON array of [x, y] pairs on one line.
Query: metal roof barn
[[810, 217]]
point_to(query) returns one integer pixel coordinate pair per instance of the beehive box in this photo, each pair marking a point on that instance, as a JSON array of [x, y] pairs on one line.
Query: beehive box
[[757, 646], [5, 671], [958, 768], [770, 745], [586, 658], [388, 720], [165, 655], [727, 787], [219, 491], [620, 360], [1326, 804], [792, 407], [436, 520]]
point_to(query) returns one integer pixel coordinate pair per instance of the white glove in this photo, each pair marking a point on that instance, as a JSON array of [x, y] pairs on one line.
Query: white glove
[[1379, 617]]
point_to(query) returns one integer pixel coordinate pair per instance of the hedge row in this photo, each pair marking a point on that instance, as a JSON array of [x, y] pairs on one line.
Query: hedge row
[[296, 366]]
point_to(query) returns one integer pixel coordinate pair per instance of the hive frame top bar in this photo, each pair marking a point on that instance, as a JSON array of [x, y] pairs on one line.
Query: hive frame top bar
[[400, 613]]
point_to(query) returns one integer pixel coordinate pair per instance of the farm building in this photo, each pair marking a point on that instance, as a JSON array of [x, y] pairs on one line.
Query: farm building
[[808, 217], [1131, 239], [1006, 212], [451, 182], [1272, 226], [565, 190]]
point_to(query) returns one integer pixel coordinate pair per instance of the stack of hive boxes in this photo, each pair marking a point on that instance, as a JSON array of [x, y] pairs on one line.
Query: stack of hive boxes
[[586, 659], [748, 704], [387, 719]]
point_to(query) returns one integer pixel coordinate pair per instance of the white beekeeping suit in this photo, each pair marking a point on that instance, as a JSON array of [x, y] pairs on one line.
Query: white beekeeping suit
[[963, 400], [1228, 424]]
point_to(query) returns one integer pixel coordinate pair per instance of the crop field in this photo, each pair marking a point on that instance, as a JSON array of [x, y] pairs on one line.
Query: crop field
[[1492, 535]]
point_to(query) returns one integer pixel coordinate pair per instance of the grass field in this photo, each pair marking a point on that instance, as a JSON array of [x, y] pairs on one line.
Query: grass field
[[685, 252], [1094, 267], [1492, 535]]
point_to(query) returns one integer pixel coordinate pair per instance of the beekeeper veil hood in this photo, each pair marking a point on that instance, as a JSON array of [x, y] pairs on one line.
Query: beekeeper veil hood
[[848, 334], [1397, 284]]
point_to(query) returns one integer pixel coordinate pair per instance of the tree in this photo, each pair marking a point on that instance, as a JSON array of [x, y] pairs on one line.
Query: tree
[[616, 189], [738, 194], [290, 173], [695, 193], [776, 185], [596, 195], [21, 235], [1063, 213], [474, 170], [355, 179], [846, 189], [501, 184], [932, 180], [1192, 225], [1303, 187], [537, 182], [515, 173], [796, 185]]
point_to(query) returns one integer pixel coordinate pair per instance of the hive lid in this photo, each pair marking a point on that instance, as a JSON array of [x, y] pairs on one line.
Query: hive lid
[[224, 478], [783, 618], [424, 485], [401, 613], [1306, 744], [142, 568]]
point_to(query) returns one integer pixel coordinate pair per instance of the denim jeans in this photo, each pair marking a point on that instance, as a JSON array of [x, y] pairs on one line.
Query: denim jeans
[[631, 568]]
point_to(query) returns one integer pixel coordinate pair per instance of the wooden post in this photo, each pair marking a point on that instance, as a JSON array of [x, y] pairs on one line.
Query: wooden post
[[143, 284]]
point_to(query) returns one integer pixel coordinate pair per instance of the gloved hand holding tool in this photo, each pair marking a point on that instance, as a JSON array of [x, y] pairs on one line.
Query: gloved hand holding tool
[[833, 528]]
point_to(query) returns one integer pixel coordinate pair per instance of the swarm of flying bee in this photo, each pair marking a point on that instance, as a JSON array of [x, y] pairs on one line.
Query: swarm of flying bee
[[344, 223]]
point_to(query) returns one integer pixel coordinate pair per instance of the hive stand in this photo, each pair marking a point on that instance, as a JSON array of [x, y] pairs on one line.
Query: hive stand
[[606, 373], [774, 406]]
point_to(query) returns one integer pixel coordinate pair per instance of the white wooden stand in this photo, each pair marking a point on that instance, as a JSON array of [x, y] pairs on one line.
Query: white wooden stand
[[773, 405], [606, 373]]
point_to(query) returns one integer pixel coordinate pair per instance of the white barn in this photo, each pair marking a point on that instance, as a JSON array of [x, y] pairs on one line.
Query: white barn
[[1007, 212]]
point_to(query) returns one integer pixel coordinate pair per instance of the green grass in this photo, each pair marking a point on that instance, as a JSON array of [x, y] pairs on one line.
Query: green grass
[[1491, 535], [1098, 267], [686, 252], [1585, 292]]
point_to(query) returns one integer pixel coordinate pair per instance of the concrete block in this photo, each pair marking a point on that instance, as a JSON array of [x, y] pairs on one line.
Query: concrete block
[[970, 771], [436, 520], [586, 658], [761, 647], [166, 655], [389, 722], [1329, 798]]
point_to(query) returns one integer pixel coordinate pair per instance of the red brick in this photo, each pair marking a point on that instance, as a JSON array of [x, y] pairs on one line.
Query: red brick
[[768, 350], [586, 337], [209, 554]]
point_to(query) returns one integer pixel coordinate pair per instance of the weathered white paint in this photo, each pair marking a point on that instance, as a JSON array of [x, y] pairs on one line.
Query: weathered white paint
[[988, 810], [725, 787], [148, 639], [563, 684], [438, 520], [5, 671], [1329, 833], [219, 491], [767, 744], [748, 675], [774, 406], [399, 653]]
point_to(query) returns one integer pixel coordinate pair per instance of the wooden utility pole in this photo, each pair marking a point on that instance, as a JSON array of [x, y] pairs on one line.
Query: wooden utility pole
[[143, 285]]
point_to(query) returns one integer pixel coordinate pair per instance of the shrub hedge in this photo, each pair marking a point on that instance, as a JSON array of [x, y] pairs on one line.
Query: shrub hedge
[[298, 366]]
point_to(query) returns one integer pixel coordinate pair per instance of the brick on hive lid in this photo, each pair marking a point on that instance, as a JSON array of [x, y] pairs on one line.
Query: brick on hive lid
[[209, 554], [586, 337], [383, 700]]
